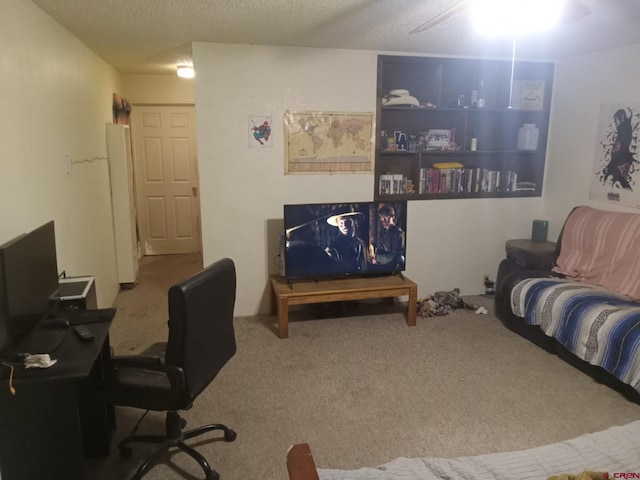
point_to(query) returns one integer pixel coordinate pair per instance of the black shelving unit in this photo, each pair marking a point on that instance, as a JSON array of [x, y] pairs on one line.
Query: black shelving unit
[[444, 87]]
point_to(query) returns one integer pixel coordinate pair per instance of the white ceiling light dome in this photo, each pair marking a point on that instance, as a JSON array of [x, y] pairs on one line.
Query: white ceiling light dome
[[515, 17], [186, 71]]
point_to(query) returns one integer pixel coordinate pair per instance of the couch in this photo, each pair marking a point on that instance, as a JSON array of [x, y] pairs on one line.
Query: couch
[[581, 301]]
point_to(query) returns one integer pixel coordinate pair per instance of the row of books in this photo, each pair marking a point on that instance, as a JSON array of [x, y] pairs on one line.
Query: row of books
[[436, 180], [465, 180], [392, 184]]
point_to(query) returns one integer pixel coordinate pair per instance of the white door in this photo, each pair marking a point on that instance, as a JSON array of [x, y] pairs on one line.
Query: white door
[[166, 178]]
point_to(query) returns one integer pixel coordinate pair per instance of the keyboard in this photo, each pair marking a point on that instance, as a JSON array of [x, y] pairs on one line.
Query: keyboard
[[83, 317], [45, 340]]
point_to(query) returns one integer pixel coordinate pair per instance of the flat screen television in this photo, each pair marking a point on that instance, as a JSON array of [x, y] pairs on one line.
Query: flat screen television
[[28, 283], [344, 239]]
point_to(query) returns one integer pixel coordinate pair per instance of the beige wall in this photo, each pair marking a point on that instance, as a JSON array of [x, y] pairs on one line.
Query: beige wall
[[449, 243], [57, 107], [444, 237], [582, 85], [157, 89], [56, 98]]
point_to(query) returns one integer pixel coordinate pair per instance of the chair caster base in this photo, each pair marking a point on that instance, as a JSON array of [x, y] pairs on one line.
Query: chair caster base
[[175, 438], [230, 435]]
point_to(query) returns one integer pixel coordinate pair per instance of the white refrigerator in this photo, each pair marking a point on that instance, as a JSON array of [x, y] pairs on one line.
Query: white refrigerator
[[123, 202]]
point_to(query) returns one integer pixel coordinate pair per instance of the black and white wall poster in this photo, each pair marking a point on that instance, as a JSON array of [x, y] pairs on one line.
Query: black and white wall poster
[[616, 167]]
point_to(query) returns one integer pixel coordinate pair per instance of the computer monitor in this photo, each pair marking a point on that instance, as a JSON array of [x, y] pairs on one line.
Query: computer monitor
[[28, 283]]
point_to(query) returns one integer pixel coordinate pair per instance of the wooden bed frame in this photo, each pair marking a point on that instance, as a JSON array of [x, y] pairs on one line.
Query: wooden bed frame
[[300, 464]]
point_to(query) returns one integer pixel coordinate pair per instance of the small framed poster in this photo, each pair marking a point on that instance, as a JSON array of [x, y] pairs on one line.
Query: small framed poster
[[528, 94], [260, 131]]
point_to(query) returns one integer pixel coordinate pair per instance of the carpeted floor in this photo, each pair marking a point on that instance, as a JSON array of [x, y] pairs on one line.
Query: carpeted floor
[[362, 389]]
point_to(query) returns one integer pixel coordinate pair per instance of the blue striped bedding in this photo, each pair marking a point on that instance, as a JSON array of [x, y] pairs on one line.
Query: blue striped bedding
[[598, 326]]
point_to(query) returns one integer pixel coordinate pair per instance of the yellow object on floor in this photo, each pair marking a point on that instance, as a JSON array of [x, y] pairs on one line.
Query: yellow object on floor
[[586, 475]]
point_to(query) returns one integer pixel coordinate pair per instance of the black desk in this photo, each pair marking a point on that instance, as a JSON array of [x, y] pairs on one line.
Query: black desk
[[52, 422]]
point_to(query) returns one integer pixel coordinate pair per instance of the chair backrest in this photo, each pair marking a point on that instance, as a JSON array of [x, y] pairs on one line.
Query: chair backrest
[[201, 334]]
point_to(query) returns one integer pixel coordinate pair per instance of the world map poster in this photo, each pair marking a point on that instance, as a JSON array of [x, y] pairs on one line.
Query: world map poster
[[329, 142]]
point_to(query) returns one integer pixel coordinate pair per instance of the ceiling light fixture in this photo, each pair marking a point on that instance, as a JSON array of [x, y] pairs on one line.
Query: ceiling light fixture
[[186, 71], [515, 17]]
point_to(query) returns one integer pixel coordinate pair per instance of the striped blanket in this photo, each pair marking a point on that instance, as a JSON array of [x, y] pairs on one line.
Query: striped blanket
[[596, 325], [601, 248]]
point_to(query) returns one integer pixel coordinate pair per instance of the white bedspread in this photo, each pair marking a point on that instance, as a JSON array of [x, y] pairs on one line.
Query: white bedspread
[[615, 450]]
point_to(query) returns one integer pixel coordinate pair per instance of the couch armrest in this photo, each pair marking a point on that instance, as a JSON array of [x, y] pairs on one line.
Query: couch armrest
[[510, 272], [532, 260]]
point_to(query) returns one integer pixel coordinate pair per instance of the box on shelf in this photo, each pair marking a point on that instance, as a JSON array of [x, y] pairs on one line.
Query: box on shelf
[[438, 139], [392, 184], [448, 165], [525, 187]]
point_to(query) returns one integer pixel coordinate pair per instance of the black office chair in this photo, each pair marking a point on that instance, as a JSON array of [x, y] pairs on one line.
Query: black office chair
[[170, 376]]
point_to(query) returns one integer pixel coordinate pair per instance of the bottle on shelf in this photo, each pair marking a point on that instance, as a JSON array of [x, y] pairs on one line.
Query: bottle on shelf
[[480, 101], [391, 144], [473, 98], [528, 137], [383, 141], [402, 144], [414, 143], [452, 141]]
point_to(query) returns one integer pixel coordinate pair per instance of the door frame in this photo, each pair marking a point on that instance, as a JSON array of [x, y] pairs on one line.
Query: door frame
[[142, 242]]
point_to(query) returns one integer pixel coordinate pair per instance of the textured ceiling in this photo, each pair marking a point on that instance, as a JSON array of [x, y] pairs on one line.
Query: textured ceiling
[[152, 36]]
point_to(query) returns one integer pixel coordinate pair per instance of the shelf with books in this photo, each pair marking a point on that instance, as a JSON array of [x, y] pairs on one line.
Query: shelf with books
[[454, 178], [460, 110], [453, 196], [470, 180]]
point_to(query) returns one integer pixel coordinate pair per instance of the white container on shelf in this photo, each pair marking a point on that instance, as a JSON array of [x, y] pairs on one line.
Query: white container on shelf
[[528, 137]]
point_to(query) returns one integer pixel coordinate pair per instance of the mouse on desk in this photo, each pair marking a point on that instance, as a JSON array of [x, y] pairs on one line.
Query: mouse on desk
[[56, 323]]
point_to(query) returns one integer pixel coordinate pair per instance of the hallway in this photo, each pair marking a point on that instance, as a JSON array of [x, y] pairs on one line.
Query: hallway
[[141, 317]]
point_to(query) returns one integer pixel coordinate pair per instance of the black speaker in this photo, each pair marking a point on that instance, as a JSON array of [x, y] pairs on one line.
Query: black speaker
[[539, 231]]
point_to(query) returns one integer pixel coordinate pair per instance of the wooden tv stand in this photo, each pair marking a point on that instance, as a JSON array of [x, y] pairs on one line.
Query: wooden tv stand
[[301, 292]]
